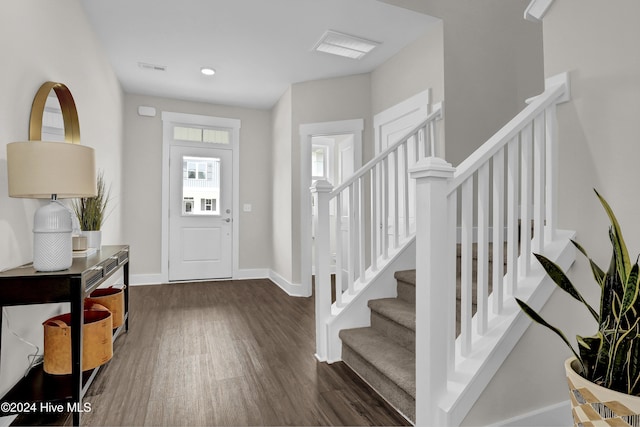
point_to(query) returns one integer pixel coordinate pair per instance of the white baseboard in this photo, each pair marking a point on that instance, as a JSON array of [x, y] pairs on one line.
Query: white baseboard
[[558, 414], [292, 289], [145, 279], [252, 273]]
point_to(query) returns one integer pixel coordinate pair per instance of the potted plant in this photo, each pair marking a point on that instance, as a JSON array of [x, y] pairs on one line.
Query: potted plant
[[604, 374], [91, 212]]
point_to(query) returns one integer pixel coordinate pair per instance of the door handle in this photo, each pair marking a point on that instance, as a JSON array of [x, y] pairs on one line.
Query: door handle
[[227, 220]]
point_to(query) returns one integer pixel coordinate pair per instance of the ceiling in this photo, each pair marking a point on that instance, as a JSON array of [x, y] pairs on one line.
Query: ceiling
[[257, 47]]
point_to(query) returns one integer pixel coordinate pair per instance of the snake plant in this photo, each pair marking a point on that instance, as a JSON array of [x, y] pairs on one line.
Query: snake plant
[[610, 358]]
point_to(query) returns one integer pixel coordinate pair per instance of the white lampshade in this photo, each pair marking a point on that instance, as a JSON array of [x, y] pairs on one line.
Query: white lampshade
[[43, 170], [40, 169]]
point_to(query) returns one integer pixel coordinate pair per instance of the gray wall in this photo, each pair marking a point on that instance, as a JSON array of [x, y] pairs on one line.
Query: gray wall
[[492, 63], [281, 179], [598, 149], [40, 41], [143, 175]]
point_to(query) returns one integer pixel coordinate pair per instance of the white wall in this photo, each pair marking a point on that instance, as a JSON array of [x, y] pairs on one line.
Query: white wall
[[43, 40], [143, 177], [599, 149]]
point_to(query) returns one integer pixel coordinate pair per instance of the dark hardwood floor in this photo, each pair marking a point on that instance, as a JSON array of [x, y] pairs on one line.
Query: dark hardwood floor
[[226, 353]]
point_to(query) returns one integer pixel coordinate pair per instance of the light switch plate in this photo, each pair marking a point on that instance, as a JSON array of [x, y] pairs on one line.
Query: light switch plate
[[246, 207]]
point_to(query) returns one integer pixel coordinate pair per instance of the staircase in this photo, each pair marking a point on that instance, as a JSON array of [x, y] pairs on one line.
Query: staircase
[[383, 354], [456, 314]]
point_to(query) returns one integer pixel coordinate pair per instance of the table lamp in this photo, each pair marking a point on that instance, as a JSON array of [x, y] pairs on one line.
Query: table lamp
[[52, 170], [42, 170]]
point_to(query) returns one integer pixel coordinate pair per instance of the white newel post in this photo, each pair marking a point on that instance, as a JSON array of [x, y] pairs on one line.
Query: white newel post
[[433, 287], [321, 190]]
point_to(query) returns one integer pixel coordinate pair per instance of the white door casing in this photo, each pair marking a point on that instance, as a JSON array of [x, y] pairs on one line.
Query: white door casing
[[171, 119]]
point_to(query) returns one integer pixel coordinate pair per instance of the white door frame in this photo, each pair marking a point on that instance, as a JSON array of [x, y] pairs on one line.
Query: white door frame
[[307, 131], [419, 104], [168, 120]]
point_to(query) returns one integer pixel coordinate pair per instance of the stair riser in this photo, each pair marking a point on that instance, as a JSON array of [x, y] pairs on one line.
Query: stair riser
[[397, 333], [406, 292], [393, 394]]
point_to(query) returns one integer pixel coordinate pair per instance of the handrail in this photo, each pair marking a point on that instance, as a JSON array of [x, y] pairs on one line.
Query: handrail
[[504, 135], [434, 115], [478, 228]]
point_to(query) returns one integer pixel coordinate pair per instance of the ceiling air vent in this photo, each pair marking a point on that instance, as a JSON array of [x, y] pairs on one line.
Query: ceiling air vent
[[344, 45], [152, 67]]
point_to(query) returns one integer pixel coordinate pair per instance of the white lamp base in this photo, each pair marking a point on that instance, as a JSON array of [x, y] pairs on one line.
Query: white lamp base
[[52, 247]]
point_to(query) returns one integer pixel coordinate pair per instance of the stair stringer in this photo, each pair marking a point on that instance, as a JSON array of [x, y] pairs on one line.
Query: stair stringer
[[474, 372], [380, 284]]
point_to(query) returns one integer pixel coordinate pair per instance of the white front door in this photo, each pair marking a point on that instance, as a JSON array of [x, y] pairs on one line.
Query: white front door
[[200, 220]]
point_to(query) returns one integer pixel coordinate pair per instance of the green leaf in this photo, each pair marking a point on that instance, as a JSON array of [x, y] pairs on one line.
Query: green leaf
[[536, 318], [561, 279], [624, 263], [598, 274], [630, 290]]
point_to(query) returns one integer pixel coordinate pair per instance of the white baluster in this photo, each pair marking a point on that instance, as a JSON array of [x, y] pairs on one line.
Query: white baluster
[[405, 175], [498, 230], [525, 201], [482, 278], [538, 184], [512, 216], [353, 239], [384, 203], [361, 232], [374, 219], [396, 196], [551, 163], [339, 249], [450, 302], [466, 266]]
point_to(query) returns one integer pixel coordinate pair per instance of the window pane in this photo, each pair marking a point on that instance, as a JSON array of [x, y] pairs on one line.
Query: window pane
[[200, 185], [183, 133], [216, 136], [318, 162]]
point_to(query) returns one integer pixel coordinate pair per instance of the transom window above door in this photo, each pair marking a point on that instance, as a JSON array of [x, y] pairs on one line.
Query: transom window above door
[[201, 134]]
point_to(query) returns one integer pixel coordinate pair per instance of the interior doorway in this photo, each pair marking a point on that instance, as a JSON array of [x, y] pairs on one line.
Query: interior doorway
[[330, 151]]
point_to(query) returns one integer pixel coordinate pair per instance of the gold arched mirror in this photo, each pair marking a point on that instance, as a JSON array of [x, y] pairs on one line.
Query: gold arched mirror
[[46, 108]]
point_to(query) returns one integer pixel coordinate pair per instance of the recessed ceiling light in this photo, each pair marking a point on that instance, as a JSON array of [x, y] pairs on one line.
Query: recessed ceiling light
[[344, 45], [207, 71]]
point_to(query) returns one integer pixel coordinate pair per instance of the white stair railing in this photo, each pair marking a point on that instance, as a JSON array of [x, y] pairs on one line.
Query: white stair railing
[[509, 184], [364, 221]]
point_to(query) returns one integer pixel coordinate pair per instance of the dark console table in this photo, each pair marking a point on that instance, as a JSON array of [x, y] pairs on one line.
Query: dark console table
[[23, 285]]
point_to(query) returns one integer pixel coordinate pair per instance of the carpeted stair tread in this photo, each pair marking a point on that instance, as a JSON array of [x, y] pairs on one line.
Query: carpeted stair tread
[[394, 362], [406, 276], [396, 310]]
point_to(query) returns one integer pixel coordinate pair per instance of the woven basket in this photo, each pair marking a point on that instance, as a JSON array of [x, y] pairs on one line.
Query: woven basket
[[97, 344], [593, 405], [113, 299]]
